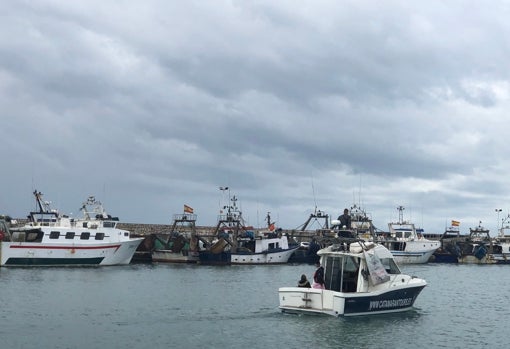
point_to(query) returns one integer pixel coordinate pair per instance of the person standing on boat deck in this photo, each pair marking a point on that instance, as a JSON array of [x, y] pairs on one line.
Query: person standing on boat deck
[[318, 277], [345, 219], [304, 282]]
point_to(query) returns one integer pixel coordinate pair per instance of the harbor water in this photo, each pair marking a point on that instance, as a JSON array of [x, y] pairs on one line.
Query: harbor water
[[193, 306]]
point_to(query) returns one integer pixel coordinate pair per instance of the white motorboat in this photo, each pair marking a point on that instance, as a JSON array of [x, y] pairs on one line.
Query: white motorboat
[[50, 238], [360, 278], [406, 245]]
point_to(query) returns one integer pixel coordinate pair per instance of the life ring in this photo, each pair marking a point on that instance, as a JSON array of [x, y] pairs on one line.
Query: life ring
[[2, 235]]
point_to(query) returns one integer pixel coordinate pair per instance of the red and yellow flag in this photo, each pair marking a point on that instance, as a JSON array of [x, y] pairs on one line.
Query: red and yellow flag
[[188, 209], [455, 223]]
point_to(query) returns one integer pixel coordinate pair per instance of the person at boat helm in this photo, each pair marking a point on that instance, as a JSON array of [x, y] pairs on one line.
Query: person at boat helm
[[318, 277], [345, 219], [304, 282]]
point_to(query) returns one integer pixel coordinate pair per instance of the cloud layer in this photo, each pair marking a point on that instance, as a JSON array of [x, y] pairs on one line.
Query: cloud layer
[[152, 105]]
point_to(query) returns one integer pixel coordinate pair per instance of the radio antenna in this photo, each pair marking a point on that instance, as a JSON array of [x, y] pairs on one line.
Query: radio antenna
[[314, 199]]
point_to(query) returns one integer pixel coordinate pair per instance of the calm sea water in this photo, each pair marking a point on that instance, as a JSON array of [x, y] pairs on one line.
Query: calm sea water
[[191, 306]]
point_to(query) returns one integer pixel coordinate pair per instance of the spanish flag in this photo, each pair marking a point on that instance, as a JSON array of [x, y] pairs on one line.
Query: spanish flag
[[188, 209], [455, 223]]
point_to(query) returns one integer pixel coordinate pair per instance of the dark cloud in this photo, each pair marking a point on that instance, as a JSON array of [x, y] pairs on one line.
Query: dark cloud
[[152, 105]]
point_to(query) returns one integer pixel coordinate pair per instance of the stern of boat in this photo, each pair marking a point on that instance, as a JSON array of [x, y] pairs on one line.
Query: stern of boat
[[310, 300]]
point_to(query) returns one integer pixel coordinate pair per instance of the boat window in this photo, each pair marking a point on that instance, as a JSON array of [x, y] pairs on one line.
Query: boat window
[[390, 266], [351, 264], [109, 224], [332, 272], [84, 224], [70, 235], [350, 275], [271, 246], [35, 235], [99, 236], [85, 235], [54, 235]]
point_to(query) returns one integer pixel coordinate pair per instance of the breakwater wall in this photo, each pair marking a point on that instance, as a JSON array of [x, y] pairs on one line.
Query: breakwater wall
[[139, 229], [147, 229]]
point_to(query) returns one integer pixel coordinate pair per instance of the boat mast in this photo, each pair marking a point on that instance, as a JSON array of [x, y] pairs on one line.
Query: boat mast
[[400, 214], [44, 206]]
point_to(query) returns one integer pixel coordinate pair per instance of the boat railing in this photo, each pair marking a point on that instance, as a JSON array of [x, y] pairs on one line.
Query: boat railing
[[185, 217], [230, 217]]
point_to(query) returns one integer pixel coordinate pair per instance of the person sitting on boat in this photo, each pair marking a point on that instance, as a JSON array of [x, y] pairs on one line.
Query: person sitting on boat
[[318, 277], [345, 219], [304, 282]]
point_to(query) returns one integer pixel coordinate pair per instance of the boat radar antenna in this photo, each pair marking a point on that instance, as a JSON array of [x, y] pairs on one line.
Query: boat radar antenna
[[223, 190], [401, 214], [97, 208], [44, 206]]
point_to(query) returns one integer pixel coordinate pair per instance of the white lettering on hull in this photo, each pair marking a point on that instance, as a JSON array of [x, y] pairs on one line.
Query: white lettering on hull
[[390, 303]]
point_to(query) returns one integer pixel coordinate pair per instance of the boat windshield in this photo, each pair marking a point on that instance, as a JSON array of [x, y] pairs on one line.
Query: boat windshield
[[390, 266]]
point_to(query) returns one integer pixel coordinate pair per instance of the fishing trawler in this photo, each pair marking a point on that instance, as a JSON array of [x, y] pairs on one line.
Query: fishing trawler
[[406, 244], [182, 244], [235, 243], [50, 239]]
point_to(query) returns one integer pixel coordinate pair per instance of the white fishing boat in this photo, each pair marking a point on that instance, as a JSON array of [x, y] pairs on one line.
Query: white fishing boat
[[262, 247], [235, 243], [406, 244], [502, 240], [360, 278], [50, 238]]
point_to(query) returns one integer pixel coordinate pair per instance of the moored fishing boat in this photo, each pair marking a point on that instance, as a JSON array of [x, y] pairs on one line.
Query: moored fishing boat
[[481, 248], [360, 278], [449, 252], [406, 244], [218, 251], [307, 250], [235, 243], [182, 244], [50, 238], [262, 247], [502, 240], [476, 248]]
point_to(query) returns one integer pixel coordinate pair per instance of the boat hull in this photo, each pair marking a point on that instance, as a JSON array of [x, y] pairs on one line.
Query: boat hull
[[210, 258], [168, 256], [316, 301], [56, 254], [304, 255], [444, 258], [278, 257], [412, 257], [491, 258]]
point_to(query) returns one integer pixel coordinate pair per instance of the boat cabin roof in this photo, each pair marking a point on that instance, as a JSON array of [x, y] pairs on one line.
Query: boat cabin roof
[[355, 249]]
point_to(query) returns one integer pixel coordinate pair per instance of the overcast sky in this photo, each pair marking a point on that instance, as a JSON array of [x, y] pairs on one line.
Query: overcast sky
[[150, 105]]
